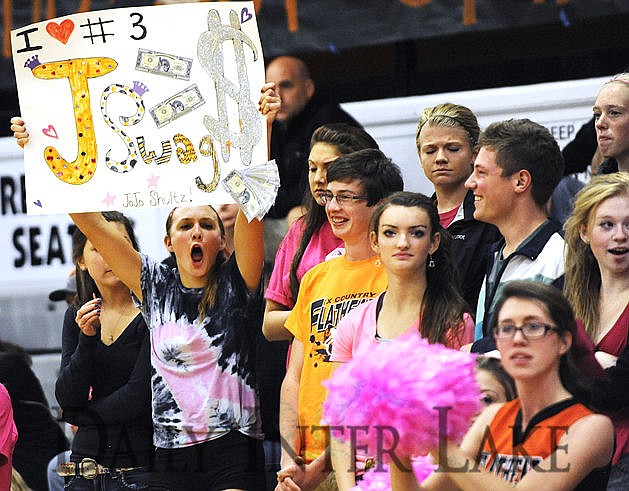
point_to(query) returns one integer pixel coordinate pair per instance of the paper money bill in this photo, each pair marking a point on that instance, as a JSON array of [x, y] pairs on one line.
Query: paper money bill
[[248, 201], [163, 64], [177, 105], [266, 172]]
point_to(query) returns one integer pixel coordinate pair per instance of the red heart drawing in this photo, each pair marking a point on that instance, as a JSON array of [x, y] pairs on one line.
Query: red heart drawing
[[50, 131], [61, 32]]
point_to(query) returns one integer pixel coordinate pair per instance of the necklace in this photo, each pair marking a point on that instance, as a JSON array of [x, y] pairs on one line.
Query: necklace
[[117, 326]]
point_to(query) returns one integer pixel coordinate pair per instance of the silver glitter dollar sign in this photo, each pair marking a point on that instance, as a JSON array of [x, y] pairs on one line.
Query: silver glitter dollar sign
[[210, 53]]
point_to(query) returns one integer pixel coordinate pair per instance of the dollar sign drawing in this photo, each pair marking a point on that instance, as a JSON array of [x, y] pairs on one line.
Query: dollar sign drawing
[[210, 54]]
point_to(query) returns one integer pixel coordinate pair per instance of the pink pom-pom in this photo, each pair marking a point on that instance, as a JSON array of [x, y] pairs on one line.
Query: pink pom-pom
[[375, 480], [423, 466], [379, 479], [400, 395]]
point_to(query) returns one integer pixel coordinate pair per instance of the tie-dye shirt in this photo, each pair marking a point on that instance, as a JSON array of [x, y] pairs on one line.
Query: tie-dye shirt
[[203, 378]]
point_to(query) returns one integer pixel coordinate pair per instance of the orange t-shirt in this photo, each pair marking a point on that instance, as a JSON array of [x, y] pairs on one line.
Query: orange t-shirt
[[327, 293]]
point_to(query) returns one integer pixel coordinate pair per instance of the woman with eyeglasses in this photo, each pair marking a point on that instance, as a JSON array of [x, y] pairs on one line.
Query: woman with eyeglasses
[[545, 439], [597, 286]]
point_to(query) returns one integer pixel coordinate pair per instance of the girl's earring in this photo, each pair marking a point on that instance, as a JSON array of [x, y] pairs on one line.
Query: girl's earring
[[378, 262], [431, 261]]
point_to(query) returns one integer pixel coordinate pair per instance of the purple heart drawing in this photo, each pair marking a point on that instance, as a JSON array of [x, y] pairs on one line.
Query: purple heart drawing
[[37, 203], [50, 131], [245, 15]]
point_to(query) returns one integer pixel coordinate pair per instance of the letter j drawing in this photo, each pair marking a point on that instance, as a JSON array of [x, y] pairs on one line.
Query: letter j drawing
[[77, 71]]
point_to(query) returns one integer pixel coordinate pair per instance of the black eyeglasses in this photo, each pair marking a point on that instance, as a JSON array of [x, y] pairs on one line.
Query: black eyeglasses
[[530, 330], [341, 199]]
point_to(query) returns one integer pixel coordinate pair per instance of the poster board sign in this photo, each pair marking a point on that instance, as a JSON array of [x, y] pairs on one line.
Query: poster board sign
[[141, 107]]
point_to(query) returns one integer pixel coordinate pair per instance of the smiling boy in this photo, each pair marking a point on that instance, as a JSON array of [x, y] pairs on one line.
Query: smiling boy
[[516, 170], [356, 182]]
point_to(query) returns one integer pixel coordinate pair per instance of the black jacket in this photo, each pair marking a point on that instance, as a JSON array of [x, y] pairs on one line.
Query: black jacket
[[470, 246], [608, 166], [578, 153]]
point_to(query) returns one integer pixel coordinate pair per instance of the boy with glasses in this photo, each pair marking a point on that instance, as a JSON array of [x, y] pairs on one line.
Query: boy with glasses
[[356, 182]]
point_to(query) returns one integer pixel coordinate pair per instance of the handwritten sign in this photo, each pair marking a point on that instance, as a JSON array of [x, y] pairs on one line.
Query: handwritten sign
[[139, 107]]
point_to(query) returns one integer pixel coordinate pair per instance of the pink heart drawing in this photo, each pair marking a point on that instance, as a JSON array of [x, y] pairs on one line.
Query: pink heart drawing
[[61, 32], [38, 203], [50, 131], [245, 15]]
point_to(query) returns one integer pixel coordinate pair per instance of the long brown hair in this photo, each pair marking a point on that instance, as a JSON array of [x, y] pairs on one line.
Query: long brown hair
[[345, 139], [443, 305], [85, 286]]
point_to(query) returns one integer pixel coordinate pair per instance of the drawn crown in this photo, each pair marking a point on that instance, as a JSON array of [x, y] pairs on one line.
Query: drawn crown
[[139, 87], [32, 62]]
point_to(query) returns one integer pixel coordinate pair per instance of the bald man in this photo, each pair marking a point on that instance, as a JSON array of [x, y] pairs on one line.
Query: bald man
[[292, 83]]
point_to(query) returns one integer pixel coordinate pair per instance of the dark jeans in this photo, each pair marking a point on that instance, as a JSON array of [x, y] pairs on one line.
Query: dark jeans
[[272, 456]]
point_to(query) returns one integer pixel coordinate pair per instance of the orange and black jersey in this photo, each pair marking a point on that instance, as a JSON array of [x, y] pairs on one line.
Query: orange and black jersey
[[510, 452]]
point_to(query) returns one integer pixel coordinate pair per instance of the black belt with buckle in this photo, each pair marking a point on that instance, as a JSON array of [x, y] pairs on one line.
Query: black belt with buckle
[[89, 469]]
